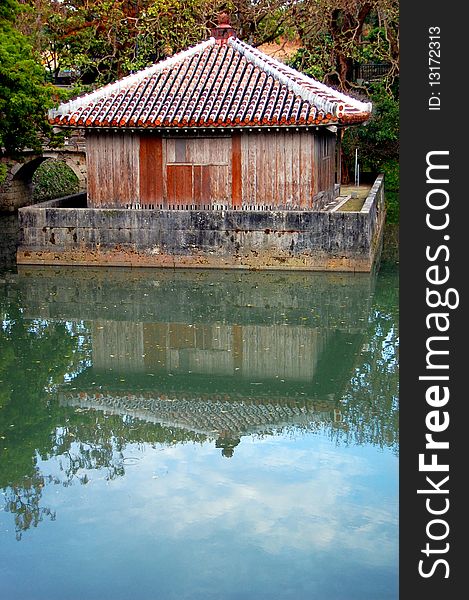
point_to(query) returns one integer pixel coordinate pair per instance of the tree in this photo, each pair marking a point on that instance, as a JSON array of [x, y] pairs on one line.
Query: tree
[[103, 40], [24, 96], [337, 34]]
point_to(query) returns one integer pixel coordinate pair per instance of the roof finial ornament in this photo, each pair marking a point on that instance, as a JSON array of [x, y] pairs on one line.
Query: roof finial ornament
[[223, 31], [223, 19]]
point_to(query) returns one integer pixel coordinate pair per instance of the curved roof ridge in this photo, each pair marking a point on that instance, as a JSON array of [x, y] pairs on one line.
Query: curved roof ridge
[[296, 81], [131, 79]]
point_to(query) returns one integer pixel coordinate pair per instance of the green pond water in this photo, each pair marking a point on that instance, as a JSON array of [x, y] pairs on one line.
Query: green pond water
[[198, 435]]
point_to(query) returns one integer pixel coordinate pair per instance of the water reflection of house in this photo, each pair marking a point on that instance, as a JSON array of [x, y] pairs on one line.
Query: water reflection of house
[[224, 355], [220, 380], [216, 417], [265, 351]]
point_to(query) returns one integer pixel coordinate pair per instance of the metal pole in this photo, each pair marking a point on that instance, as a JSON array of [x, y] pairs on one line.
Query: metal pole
[[356, 165]]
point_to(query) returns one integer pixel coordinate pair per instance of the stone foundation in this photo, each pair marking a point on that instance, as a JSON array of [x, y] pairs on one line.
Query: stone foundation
[[51, 233]]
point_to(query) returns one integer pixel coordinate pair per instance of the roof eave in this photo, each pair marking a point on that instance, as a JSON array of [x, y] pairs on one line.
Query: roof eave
[[218, 127]]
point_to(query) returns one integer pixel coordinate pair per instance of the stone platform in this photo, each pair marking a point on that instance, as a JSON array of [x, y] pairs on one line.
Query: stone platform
[[65, 232]]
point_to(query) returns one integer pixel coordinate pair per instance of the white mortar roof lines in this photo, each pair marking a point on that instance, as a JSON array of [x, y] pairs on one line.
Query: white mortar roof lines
[[116, 86], [284, 74]]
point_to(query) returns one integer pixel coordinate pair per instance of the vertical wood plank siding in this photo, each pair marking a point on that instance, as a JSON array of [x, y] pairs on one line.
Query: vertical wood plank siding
[[324, 161], [126, 336], [282, 170], [113, 169], [179, 184], [286, 169]]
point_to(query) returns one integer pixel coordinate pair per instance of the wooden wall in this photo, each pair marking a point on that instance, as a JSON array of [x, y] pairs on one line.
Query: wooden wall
[[287, 169], [118, 345], [198, 171], [260, 351], [112, 161], [278, 170], [281, 169], [325, 165]]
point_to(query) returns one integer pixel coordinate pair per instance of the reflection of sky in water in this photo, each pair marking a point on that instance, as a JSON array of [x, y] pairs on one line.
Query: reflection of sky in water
[[153, 364], [284, 518]]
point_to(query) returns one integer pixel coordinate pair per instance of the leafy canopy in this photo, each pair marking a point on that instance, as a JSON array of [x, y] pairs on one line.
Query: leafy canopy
[[24, 97]]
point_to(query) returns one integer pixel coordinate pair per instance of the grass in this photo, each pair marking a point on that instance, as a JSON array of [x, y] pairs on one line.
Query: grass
[[354, 204]]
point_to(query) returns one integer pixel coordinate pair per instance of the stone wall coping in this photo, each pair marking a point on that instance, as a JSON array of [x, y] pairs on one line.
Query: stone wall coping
[[370, 199]]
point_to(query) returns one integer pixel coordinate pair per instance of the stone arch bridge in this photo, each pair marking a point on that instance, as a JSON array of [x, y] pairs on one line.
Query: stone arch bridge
[[16, 190]]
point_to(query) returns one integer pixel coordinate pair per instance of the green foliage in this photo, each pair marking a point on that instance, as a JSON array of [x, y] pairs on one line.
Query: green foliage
[[378, 141], [378, 146], [34, 355], [308, 61], [391, 187], [3, 173], [53, 179], [102, 40], [24, 96]]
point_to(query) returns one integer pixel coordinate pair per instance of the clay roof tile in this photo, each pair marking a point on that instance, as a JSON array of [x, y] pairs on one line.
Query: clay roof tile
[[213, 84]]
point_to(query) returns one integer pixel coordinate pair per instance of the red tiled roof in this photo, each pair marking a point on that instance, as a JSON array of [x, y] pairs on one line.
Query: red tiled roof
[[213, 85]]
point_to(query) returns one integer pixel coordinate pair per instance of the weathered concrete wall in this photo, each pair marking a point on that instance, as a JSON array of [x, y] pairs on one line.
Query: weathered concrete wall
[[14, 194], [303, 240], [375, 209]]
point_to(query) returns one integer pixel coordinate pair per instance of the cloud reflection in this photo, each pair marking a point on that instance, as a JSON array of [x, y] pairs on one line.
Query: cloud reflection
[[328, 500]]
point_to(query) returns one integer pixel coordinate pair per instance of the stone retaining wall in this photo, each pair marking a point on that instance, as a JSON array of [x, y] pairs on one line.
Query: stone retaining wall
[[8, 242], [50, 233]]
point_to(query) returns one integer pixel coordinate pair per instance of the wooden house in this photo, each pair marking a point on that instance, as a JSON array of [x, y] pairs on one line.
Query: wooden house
[[220, 125]]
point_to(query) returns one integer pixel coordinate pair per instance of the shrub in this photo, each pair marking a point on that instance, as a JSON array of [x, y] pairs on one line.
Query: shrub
[[53, 179], [391, 187]]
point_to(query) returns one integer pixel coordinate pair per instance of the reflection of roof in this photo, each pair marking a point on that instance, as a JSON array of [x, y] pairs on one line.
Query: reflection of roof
[[209, 417], [212, 84]]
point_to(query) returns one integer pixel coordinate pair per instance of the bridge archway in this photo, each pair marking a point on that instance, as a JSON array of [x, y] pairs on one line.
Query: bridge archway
[[76, 161], [16, 186], [18, 189]]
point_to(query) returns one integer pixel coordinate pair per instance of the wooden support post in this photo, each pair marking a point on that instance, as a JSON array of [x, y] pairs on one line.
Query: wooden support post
[[236, 183]]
